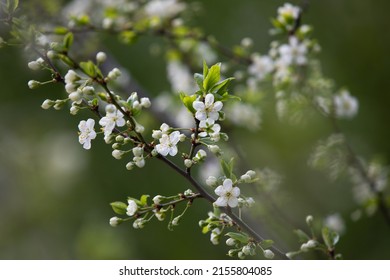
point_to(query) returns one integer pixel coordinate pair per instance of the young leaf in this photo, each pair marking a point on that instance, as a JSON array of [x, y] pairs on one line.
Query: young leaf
[[205, 69], [303, 237], [238, 236], [330, 237], [187, 101], [144, 199], [119, 207], [68, 40], [88, 68], [212, 78], [221, 87], [227, 168], [265, 244], [199, 80]]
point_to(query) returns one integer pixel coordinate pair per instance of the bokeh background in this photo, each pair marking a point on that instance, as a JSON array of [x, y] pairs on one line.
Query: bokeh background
[[54, 195]]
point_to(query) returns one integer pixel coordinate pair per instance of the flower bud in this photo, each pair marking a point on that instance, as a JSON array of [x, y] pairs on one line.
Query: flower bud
[[101, 57], [214, 149], [188, 192], [75, 96], [34, 65], [157, 199], [211, 181], [138, 151], [182, 137], [245, 178], [251, 174], [268, 254], [311, 244], [139, 128], [115, 221], [231, 242], [51, 54], [117, 154], [157, 134], [176, 220], [130, 165], [88, 90], [160, 215], [119, 138], [139, 162], [115, 146], [309, 220], [74, 110], [32, 84], [47, 104], [241, 255], [137, 105], [304, 247], [114, 74], [139, 223], [145, 102], [188, 163], [110, 108], [246, 250], [154, 152]]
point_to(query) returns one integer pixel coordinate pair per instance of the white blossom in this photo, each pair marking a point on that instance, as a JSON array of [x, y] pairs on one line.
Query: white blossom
[[346, 106], [261, 66], [207, 110], [163, 8], [245, 115], [228, 195], [211, 181], [87, 133], [180, 77], [287, 13], [113, 118], [131, 208], [335, 222], [294, 53], [168, 144]]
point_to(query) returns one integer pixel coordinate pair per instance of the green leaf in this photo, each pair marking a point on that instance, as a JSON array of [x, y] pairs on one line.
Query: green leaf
[[238, 236], [205, 69], [199, 80], [265, 244], [222, 86], [61, 30], [144, 199], [89, 68], [12, 5], [303, 237], [128, 37], [330, 237], [212, 77], [227, 168], [187, 101], [205, 229], [119, 207], [68, 40]]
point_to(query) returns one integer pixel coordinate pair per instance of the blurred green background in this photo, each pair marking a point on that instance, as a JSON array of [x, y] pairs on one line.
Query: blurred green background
[[54, 195]]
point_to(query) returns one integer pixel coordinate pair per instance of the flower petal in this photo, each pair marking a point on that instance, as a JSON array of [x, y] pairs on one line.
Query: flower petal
[[221, 202], [232, 202]]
